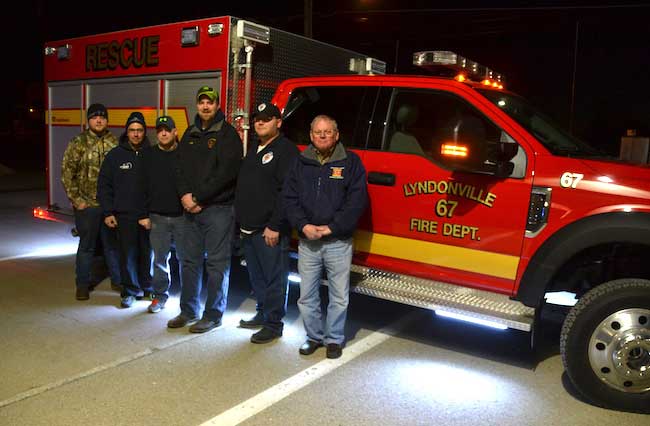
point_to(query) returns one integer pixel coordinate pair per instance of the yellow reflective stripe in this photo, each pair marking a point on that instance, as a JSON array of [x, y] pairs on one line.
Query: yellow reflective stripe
[[65, 117], [464, 259], [117, 117]]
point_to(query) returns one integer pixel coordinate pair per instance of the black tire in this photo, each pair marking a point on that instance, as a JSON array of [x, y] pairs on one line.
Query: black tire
[[610, 320]]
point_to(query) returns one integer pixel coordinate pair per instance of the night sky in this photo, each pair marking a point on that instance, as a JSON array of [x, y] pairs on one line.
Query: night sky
[[533, 45]]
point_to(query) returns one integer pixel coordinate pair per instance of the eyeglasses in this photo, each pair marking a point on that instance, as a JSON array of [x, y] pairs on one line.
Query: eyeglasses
[[136, 130], [323, 132]]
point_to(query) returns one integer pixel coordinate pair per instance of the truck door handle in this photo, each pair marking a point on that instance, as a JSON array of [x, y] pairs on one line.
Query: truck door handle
[[386, 179]]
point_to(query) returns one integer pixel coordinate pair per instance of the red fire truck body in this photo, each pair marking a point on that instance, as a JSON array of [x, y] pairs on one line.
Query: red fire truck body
[[156, 70], [482, 209]]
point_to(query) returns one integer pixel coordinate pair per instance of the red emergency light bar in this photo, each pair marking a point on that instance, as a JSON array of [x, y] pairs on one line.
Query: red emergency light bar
[[465, 69]]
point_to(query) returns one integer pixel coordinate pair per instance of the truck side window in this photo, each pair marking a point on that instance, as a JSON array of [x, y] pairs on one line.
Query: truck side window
[[425, 122], [351, 107]]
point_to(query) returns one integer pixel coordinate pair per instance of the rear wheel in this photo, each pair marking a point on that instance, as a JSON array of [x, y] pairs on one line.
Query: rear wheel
[[605, 345]]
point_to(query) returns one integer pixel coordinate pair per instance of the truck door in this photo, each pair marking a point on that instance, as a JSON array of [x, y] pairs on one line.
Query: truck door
[[436, 217]]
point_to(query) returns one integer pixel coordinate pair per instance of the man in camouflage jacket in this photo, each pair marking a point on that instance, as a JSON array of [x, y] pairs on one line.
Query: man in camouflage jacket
[[79, 172]]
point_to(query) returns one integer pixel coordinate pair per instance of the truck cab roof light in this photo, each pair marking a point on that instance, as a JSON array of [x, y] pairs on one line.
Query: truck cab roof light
[[445, 60], [368, 66]]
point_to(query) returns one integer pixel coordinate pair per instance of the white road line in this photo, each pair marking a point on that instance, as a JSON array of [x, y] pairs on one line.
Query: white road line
[[267, 398], [41, 389], [20, 256], [36, 391]]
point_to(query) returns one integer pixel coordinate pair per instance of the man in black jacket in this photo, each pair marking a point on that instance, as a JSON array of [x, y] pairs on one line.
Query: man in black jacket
[[209, 157], [264, 230], [161, 211], [117, 191]]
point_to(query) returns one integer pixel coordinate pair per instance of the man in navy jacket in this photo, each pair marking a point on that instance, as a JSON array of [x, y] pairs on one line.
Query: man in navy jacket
[[325, 194], [117, 191], [264, 230]]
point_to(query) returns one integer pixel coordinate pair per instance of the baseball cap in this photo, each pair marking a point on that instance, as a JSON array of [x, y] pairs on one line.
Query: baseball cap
[[95, 110], [207, 91], [267, 111], [165, 121]]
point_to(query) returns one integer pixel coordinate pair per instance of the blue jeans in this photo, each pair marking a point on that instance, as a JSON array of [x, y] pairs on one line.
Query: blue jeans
[[336, 257], [207, 238], [89, 223], [165, 234], [135, 255], [268, 271]]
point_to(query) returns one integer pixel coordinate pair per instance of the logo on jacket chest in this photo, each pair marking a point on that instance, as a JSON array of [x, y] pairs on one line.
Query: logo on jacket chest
[[126, 166], [336, 172], [211, 143], [266, 158]]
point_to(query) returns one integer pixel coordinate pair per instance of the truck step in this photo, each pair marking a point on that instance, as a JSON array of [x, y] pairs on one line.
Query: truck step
[[469, 302]]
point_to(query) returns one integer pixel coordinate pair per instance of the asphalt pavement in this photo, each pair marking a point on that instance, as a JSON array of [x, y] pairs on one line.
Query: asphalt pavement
[[69, 362]]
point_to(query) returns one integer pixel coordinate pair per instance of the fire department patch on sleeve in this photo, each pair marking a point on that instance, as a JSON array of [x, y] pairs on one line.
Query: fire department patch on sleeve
[[336, 172], [211, 143], [267, 157]]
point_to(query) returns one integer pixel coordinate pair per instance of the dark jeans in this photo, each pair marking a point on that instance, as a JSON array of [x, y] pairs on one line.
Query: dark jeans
[[135, 255], [268, 271], [165, 234], [89, 223], [207, 238]]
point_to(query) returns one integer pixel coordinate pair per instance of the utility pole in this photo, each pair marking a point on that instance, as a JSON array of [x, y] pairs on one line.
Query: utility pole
[[309, 9]]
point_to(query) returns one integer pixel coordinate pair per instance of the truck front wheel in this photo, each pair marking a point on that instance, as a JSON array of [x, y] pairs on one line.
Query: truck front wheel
[[605, 345]]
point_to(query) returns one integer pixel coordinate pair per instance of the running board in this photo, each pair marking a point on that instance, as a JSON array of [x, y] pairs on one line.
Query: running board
[[473, 303]]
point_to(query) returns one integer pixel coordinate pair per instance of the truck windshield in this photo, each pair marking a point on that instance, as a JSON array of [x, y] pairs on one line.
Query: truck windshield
[[551, 135]]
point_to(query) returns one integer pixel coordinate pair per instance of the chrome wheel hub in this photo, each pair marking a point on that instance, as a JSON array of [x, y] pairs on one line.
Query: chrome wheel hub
[[619, 350]]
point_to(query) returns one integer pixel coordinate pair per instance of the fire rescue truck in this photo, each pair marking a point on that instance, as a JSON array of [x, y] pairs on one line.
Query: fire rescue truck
[[157, 70], [481, 208]]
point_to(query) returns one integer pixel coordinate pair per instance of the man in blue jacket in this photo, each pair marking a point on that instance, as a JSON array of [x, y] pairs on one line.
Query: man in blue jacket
[[117, 191], [325, 194]]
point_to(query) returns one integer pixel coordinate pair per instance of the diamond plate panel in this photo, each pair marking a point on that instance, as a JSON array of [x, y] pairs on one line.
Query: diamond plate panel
[[287, 56], [437, 295]]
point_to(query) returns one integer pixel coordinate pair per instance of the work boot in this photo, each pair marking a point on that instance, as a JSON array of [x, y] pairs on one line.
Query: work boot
[[265, 335], [256, 321], [309, 347], [334, 350], [82, 294]]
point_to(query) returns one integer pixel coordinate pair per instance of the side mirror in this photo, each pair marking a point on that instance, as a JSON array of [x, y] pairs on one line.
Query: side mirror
[[504, 169], [506, 151]]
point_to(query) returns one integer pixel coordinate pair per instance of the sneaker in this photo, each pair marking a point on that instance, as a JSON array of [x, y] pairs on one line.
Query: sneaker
[[334, 350], [205, 325], [82, 294], [156, 306], [256, 321], [127, 301], [265, 335], [180, 320]]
